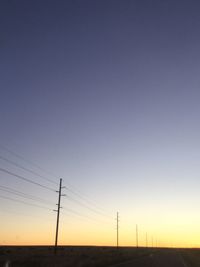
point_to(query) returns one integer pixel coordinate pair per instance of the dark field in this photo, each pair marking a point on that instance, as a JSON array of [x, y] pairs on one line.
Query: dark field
[[68, 256]]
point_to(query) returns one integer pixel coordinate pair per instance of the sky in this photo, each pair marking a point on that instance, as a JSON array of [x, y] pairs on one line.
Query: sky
[[105, 95]]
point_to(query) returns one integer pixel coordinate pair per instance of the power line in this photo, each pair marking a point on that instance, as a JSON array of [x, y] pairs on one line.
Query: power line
[[84, 199], [77, 193], [76, 213], [80, 214], [34, 198], [85, 206], [25, 160], [26, 203], [26, 169], [24, 195], [23, 214], [26, 179]]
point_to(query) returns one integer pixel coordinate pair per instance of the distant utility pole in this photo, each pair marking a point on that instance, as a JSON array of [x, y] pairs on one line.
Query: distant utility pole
[[136, 236], [146, 240], [58, 214], [117, 229]]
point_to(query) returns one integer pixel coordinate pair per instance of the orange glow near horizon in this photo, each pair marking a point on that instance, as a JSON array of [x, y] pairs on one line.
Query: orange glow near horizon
[[75, 232]]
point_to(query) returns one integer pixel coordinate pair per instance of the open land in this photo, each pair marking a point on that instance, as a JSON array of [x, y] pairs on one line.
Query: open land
[[94, 256]]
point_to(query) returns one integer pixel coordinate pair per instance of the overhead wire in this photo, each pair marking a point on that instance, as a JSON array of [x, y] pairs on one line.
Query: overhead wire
[[24, 195], [86, 206], [74, 191], [33, 198], [76, 213], [23, 214], [26, 203], [95, 208], [26, 160], [26, 169], [26, 179], [87, 201], [82, 198], [81, 215]]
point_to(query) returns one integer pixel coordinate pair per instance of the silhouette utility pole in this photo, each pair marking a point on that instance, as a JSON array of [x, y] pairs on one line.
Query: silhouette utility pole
[[146, 240], [136, 236], [58, 214], [117, 229]]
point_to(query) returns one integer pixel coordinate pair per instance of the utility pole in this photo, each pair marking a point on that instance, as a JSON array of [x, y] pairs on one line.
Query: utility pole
[[117, 229], [58, 214], [146, 240], [136, 236]]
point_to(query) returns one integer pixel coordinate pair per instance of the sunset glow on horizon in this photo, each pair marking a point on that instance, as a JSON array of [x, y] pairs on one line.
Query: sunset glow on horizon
[[105, 95]]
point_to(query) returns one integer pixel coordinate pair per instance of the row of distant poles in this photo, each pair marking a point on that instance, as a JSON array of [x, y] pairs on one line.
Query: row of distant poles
[[58, 218], [136, 234]]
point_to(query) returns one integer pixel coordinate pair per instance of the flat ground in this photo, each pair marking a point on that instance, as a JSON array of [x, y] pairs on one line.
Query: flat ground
[[69, 256]]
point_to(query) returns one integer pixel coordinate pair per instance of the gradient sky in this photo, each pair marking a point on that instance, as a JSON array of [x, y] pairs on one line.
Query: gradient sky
[[105, 94]]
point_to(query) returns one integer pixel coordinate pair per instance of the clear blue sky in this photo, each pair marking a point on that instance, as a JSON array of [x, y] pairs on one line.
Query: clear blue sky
[[105, 94]]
